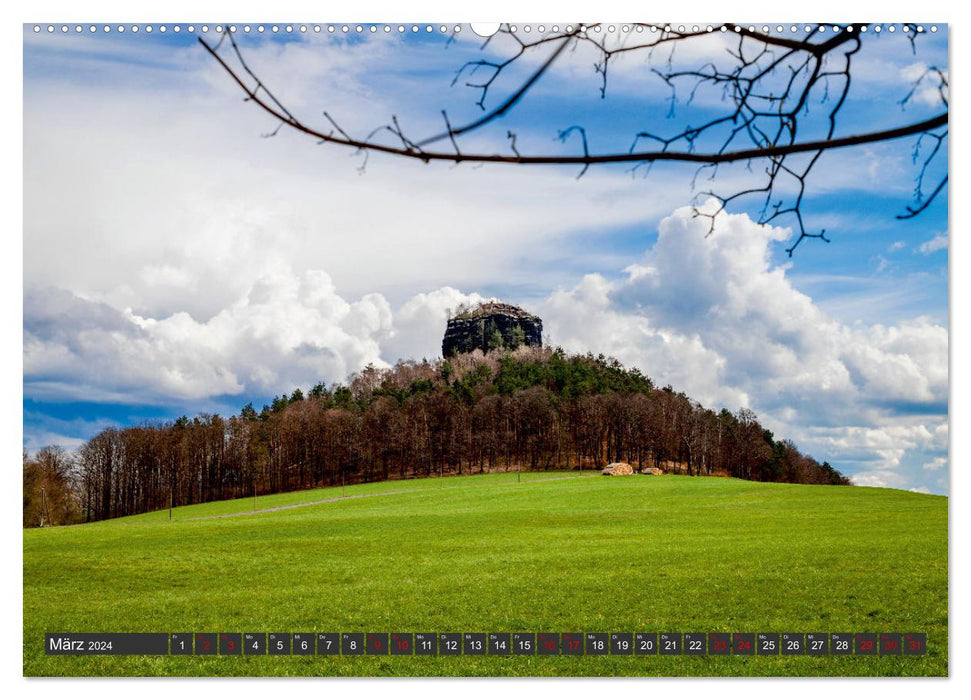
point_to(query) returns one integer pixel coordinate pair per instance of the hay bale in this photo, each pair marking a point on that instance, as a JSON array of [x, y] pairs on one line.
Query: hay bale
[[618, 469]]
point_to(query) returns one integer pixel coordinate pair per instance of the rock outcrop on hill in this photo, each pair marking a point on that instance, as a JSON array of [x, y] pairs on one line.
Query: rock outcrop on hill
[[618, 469], [490, 326]]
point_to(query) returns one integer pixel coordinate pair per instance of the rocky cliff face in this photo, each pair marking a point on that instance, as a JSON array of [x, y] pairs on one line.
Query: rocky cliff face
[[490, 326]]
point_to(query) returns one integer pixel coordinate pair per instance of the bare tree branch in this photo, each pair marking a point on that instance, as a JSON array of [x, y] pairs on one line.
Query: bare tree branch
[[594, 159], [510, 101], [768, 88]]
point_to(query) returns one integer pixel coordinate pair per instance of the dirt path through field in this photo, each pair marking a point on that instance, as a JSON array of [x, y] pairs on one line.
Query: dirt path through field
[[369, 495]]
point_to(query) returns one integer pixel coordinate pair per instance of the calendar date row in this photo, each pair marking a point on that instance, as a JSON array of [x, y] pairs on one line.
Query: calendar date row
[[492, 643]]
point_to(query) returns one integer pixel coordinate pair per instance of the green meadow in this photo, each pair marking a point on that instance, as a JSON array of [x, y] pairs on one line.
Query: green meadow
[[492, 553]]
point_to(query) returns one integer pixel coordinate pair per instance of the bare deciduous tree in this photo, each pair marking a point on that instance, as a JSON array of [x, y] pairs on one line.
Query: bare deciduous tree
[[766, 82], [530, 409]]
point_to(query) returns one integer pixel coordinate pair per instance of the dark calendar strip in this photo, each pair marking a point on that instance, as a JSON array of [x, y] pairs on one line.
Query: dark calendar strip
[[490, 644]]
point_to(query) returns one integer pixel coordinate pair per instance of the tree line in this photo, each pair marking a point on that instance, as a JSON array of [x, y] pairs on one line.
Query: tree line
[[529, 409]]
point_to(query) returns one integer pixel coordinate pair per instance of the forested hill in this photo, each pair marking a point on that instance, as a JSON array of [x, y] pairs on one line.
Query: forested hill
[[530, 408]]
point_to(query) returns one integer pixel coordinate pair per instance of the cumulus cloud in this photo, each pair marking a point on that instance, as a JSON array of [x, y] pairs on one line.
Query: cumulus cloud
[[938, 242], [420, 323], [713, 316], [206, 206], [587, 318], [286, 330], [883, 447], [283, 331], [41, 430], [926, 84]]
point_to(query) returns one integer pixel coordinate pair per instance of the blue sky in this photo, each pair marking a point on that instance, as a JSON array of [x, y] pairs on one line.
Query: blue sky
[[175, 262]]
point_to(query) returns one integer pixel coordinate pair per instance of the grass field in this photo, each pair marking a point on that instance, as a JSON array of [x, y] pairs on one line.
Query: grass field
[[487, 554]]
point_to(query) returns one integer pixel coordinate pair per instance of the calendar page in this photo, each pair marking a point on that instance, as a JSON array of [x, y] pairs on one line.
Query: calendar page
[[516, 349]]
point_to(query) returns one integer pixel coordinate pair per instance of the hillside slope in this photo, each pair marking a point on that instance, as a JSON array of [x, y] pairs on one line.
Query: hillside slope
[[534, 409], [489, 554]]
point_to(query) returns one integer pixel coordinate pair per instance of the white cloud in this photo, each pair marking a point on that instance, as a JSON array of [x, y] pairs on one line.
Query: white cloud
[[709, 314], [889, 480], [926, 84], [420, 323], [287, 330], [585, 318], [38, 439], [191, 205], [883, 447], [714, 317], [938, 242], [906, 362]]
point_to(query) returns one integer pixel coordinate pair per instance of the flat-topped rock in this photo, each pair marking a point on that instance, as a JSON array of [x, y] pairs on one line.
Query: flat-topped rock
[[489, 326]]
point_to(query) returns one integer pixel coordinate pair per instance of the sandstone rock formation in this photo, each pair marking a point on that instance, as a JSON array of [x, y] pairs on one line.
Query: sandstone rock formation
[[618, 469], [490, 326]]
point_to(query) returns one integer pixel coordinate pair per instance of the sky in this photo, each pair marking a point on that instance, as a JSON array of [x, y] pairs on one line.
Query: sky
[[177, 261]]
